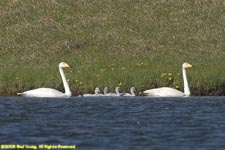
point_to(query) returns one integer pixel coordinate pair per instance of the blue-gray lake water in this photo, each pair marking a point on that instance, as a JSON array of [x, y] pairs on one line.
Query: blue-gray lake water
[[118, 123]]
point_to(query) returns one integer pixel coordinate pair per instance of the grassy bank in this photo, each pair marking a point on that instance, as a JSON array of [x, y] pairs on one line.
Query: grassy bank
[[110, 43]]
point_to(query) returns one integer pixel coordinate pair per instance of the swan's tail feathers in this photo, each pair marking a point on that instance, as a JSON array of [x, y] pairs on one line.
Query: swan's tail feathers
[[146, 94], [141, 93], [20, 94]]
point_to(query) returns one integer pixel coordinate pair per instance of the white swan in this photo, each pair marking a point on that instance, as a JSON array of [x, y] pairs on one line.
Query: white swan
[[105, 91], [170, 92], [117, 90], [111, 94], [132, 92], [48, 92], [97, 93]]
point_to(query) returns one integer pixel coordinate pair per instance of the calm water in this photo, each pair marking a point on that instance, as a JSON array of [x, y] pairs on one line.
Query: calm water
[[115, 123]]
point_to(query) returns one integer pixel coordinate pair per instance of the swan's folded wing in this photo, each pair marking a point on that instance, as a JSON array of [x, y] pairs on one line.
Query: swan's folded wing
[[42, 92], [163, 92]]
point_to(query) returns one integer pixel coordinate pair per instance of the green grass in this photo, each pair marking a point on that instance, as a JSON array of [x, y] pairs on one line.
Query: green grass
[[111, 43]]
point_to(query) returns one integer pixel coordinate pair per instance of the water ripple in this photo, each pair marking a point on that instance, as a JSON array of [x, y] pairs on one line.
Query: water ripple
[[115, 123]]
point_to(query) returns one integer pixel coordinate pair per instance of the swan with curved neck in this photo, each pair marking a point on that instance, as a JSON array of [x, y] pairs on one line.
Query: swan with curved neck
[[97, 93], [112, 94], [105, 91], [48, 92], [117, 90], [170, 92], [132, 92]]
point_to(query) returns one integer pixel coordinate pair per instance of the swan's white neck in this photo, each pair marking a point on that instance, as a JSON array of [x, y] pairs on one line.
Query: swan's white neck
[[105, 91], [186, 87], [132, 92], [66, 86], [117, 91], [97, 91]]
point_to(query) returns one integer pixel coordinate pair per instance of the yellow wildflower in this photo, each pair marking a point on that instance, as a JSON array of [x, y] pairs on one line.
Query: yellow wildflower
[[163, 74]]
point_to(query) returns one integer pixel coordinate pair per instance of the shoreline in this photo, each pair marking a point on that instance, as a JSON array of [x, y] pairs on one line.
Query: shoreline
[[206, 91]]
